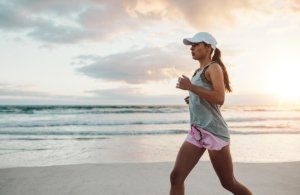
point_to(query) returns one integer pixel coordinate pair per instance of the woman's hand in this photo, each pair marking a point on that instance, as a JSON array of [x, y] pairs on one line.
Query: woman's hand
[[184, 83], [187, 100]]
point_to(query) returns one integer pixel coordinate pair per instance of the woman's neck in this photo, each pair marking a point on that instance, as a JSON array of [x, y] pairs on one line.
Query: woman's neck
[[204, 62]]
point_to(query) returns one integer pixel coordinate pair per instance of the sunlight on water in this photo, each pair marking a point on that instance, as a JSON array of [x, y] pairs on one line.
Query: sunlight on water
[[47, 135]]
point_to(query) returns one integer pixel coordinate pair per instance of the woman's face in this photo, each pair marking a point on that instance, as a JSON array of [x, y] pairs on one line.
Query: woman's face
[[200, 51]]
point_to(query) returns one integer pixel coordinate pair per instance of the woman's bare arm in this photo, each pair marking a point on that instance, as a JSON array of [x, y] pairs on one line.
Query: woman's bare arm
[[216, 95]]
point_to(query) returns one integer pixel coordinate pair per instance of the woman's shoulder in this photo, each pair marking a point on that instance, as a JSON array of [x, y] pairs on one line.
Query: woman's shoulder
[[214, 66]]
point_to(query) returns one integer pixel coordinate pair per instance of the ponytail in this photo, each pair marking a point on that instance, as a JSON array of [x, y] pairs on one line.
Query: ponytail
[[217, 59]]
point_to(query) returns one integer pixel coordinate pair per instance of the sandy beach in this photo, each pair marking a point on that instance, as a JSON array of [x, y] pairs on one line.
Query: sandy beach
[[145, 178]]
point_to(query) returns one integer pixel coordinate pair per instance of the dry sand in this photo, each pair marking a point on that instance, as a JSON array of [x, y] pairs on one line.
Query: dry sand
[[145, 178]]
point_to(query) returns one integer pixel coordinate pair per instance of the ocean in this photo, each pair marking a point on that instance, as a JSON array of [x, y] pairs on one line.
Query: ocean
[[52, 135]]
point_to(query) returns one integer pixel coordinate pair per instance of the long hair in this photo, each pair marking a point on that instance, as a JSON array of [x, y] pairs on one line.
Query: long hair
[[217, 59]]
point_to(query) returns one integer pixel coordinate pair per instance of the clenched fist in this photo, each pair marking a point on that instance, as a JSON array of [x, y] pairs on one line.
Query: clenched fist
[[184, 83]]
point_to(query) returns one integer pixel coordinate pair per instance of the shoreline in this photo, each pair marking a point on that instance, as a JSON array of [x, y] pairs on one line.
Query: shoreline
[[143, 149], [202, 160], [145, 178]]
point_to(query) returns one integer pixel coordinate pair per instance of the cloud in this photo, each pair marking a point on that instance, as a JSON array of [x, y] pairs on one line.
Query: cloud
[[15, 92], [139, 66], [69, 21], [10, 94], [20, 94], [49, 32], [119, 93], [294, 5], [149, 64], [56, 21], [132, 95], [216, 14], [205, 14], [122, 95], [47, 24], [12, 19]]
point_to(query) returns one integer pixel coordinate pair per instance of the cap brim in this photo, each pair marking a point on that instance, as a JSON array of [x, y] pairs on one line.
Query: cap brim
[[188, 41]]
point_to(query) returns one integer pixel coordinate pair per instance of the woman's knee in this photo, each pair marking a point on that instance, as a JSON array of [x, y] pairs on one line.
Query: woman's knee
[[176, 178], [228, 184]]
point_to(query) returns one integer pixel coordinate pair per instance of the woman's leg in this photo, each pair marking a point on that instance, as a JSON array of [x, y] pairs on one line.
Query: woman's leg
[[187, 158], [222, 163]]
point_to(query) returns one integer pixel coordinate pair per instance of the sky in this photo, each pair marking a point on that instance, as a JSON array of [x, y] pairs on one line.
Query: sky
[[131, 52]]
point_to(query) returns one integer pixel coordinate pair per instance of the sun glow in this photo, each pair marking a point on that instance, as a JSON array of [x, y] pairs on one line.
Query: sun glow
[[284, 83]]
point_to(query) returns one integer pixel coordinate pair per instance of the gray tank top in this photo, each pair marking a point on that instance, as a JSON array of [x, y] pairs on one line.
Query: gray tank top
[[203, 113]]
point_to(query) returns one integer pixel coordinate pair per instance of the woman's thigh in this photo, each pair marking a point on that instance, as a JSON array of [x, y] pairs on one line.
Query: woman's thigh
[[187, 158], [222, 163]]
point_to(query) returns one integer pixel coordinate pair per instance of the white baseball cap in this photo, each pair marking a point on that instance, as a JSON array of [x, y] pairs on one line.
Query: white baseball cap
[[201, 37]]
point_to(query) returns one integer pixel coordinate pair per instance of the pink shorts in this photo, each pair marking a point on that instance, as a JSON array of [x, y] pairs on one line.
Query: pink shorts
[[204, 139]]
